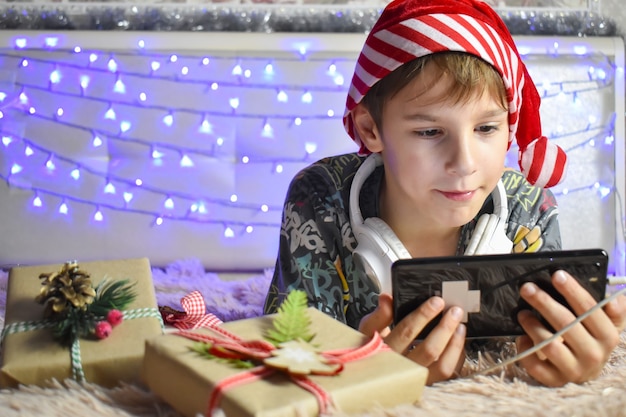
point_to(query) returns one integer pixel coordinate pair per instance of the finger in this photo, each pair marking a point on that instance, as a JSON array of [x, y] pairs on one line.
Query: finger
[[452, 358], [598, 324], [405, 332], [542, 371], [556, 351], [558, 316], [581, 356], [380, 319], [616, 310], [430, 350]]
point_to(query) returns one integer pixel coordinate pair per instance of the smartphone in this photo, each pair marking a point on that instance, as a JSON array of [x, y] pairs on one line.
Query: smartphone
[[487, 286]]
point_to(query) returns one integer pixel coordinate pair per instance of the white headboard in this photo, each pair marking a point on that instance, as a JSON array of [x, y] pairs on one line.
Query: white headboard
[[181, 144]]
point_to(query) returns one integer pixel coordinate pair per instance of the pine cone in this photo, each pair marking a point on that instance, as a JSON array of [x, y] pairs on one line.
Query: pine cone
[[69, 287]]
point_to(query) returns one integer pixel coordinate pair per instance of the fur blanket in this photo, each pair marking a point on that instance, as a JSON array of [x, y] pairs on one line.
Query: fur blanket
[[511, 393]]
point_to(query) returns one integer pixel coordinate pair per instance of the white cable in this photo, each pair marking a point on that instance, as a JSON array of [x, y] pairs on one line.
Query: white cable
[[614, 280], [555, 336]]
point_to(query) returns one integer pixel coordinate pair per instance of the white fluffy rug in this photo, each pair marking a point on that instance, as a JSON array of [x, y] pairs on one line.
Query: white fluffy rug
[[511, 394]]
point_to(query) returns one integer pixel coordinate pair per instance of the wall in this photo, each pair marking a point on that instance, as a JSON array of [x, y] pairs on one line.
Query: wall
[[615, 9], [79, 132]]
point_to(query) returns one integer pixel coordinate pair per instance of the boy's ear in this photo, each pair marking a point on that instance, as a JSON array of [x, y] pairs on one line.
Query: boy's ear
[[367, 129]]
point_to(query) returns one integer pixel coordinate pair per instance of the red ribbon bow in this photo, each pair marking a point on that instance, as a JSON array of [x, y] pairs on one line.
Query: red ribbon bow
[[195, 314], [227, 344]]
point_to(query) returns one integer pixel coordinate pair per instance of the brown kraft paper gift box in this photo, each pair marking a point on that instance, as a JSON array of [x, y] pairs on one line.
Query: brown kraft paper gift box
[[34, 357], [185, 379]]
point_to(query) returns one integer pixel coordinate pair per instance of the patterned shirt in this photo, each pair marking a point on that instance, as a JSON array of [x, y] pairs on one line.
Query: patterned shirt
[[317, 241]]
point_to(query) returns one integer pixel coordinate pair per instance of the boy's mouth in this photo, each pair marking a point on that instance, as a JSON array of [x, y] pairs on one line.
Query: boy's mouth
[[458, 195]]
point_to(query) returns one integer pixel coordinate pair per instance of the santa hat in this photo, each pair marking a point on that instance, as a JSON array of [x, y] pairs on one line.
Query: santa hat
[[409, 29]]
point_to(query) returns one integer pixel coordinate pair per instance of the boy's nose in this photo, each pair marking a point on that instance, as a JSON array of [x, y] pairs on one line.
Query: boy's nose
[[462, 155]]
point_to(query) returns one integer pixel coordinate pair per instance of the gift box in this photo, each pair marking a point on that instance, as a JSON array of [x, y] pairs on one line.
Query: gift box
[[32, 355], [188, 381]]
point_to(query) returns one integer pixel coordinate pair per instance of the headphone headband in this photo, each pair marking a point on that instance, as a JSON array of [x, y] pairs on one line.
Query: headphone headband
[[365, 170]]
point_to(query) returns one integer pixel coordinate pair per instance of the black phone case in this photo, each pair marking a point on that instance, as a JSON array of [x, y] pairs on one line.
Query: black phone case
[[498, 278]]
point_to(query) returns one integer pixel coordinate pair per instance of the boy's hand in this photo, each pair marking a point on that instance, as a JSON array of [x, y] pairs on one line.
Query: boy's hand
[[442, 352], [582, 352]]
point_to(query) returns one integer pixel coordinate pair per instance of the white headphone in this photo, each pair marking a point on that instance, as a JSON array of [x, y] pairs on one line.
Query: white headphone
[[378, 247]]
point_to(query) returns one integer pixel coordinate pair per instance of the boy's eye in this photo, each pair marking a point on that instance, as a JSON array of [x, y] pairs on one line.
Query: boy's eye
[[487, 129], [427, 133]]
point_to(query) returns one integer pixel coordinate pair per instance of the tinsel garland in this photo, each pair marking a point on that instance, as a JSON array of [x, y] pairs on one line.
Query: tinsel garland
[[266, 19]]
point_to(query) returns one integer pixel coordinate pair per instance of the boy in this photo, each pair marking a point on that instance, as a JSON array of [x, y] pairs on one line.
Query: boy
[[438, 95]]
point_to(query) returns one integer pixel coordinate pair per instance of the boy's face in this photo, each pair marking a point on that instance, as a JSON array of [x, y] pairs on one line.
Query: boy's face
[[442, 159]]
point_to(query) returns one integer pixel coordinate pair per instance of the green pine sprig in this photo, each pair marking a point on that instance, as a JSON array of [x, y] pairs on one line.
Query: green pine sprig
[[112, 295], [292, 321], [73, 324], [203, 348]]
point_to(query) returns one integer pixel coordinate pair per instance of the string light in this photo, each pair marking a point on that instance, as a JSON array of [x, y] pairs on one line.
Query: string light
[[109, 188], [16, 169], [185, 161], [119, 87], [125, 126], [112, 65], [51, 41], [205, 127], [84, 82], [37, 201], [110, 114], [50, 164], [168, 120], [96, 142]]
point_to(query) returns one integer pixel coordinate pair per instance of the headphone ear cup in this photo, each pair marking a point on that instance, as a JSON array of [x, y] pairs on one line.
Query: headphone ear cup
[[378, 248]]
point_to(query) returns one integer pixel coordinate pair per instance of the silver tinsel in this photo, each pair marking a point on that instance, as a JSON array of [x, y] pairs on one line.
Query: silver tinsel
[[266, 18]]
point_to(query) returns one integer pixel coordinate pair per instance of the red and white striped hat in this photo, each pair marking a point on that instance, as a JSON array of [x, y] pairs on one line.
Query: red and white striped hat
[[409, 29]]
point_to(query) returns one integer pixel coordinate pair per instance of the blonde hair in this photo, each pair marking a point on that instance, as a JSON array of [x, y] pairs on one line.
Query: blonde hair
[[470, 75]]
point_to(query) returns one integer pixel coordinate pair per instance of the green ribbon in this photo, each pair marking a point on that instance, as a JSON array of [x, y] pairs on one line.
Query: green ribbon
[[77, 365]]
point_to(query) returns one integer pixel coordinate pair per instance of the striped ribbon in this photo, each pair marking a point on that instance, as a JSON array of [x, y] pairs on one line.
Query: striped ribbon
[[195, 315], [77, 365]]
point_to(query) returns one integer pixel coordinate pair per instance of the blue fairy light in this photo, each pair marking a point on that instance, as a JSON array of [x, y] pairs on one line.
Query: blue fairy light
[[55, 77], [15, 169], [112, 65], [119, 87]]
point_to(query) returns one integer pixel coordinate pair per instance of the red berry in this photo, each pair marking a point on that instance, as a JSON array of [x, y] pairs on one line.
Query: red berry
[[115, 317], [103, 330]]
